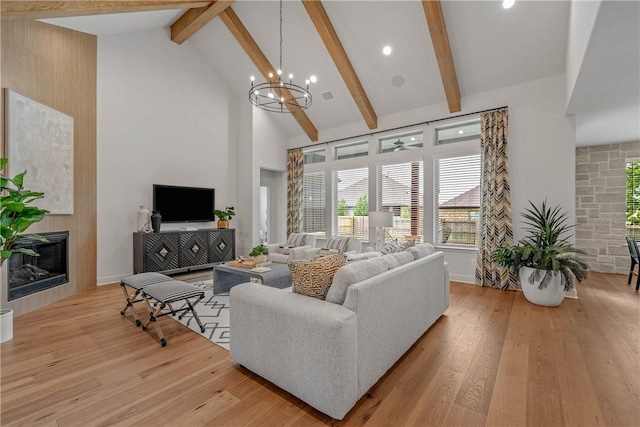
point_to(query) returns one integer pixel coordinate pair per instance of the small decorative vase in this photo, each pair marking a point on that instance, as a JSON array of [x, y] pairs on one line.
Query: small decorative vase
[[223, 223], [260, 258], [551, 296], [156, 221], [144, 220]]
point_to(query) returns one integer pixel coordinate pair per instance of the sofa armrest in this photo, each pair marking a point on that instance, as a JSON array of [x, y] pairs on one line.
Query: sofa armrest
[[274, 248], [310, 253], [303, 345], [298, 252]]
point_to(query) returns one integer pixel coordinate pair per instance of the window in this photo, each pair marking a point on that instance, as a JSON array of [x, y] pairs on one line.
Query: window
[[401, 191], [313, 204], [457, 190], [400, 143], [314, 156], [458, 132], [633, 198], [352, 202], [356, 149]]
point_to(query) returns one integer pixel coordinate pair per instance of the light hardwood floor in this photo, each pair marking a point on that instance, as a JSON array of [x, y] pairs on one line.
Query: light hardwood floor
[[492, 359]]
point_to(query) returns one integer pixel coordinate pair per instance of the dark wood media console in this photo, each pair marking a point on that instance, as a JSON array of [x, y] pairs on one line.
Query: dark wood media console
[[178, 251]]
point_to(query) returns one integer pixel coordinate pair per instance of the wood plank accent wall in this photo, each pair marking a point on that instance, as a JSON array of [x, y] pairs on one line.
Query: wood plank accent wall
[[57, 67]]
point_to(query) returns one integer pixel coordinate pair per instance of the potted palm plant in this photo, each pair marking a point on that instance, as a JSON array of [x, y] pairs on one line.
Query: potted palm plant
[[545, 261]]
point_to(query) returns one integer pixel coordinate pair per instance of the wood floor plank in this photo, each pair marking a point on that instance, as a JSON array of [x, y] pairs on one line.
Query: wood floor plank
[[493, 359]]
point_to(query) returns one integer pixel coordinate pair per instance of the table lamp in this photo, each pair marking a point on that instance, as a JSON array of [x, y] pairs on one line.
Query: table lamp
[[380, 220]]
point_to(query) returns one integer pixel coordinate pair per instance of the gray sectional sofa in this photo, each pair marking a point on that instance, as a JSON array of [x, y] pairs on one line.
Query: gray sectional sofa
[[330, 353]]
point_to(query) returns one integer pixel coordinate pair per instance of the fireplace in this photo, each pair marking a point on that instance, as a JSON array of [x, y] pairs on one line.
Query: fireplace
[[30, 274]]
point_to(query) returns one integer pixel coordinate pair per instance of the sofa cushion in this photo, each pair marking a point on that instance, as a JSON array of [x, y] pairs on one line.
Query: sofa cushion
[[397, 259], [339, 243], [313, 277], [354, 273], [421, 250], [295, 240]]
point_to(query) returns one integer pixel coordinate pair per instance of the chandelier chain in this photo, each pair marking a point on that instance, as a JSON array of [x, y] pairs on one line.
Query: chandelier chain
[[280, 34]]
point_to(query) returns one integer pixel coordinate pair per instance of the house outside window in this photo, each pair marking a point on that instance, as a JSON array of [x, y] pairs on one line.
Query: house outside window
[[352, 202], [458, 194], [313, 204], [401, 191]]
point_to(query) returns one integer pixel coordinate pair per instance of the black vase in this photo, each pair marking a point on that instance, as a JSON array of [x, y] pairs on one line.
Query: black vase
[[156, 220]]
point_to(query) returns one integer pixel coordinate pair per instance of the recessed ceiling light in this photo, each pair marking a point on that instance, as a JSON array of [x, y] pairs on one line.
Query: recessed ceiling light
[[460, 132], [386, 50], [413, 138], [313, 79], [507, 4]]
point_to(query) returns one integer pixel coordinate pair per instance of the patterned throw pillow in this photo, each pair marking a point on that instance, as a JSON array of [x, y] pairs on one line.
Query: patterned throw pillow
[[339, 243], [391, 247], [408, 244], [296, 239], [314, 277], [325, 252]]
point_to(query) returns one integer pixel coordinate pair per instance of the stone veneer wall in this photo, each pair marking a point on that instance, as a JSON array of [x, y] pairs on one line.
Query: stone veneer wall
[[601, 205]]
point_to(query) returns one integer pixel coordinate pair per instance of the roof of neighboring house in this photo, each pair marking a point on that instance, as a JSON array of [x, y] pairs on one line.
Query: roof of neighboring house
[[468, 199], [394, 193]]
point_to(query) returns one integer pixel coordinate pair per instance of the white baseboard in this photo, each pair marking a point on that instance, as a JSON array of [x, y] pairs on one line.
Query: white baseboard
[[464, 279], [111, 279]]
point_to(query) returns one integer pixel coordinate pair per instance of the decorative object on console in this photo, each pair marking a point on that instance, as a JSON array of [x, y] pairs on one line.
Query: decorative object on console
[[17, 213], [143, 223], [313, 278], [277, 95], [380, 220], [259, 254], [224, 216], [40, 139], [156, 221]]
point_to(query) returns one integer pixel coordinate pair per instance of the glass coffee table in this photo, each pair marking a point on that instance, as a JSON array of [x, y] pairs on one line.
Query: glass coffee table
[[226, 277]]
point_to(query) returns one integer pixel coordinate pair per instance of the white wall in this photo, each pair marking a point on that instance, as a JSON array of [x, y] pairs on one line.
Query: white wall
[[581, 21], [165, 117], [541, 150]]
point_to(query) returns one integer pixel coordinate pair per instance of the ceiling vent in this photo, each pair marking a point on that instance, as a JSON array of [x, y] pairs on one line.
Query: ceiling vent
[[328, 96]]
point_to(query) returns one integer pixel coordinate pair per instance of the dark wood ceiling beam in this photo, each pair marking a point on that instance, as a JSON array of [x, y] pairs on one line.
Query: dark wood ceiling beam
[[328, 34], [194, 19], [440, 40], [252, 49], [40, 9]]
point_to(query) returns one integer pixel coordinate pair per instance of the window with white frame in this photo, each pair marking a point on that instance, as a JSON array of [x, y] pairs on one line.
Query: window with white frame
[[352, 202], [458, 194], [355, 149], [316, 155], [458, 132], [401, 191], [633, 198], [313, 204], [400, 143]]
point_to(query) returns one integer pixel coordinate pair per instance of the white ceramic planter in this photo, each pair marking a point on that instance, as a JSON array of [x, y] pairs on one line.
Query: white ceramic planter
[[551, 296], [6, 325], [260, 259]]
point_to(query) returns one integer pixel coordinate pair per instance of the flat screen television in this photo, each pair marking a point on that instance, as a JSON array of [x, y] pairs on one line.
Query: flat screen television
[[184, 204]]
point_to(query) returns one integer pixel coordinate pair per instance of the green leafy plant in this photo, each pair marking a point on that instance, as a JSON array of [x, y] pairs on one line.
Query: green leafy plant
[[17, 214], [362, 207], [259, 250], [227, 213], [342, 207], [545, 248]]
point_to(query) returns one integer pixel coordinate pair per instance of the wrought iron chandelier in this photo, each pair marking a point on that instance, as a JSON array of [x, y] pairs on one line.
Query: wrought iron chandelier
[[277, 95]]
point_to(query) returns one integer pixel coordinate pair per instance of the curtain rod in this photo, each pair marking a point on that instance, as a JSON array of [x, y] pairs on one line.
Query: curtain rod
[[402, 127]]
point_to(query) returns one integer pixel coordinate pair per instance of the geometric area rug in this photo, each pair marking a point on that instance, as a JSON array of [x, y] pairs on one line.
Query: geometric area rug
[[213, 311]]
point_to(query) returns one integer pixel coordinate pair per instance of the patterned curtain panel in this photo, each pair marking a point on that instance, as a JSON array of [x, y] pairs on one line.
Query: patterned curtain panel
[[295, 171], [495, 220]]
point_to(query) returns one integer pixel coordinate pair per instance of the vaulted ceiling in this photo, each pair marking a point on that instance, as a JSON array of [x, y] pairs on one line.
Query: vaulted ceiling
[[342, 41]]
